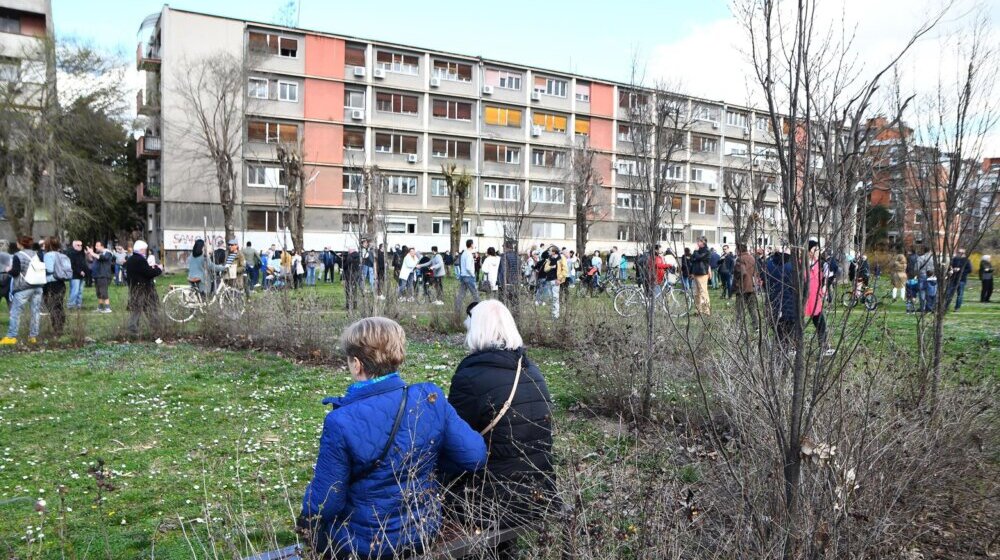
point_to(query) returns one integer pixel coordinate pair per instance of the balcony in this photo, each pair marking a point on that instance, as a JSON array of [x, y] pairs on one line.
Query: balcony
[[148, 146], [148, 106], [147, 57], [148, 192]]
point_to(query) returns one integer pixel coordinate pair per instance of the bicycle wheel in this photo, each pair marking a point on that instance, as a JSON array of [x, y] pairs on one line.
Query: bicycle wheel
[[181, 304], [628, 302], [848, 300], [871, 302], [677, 303], [232, 303]]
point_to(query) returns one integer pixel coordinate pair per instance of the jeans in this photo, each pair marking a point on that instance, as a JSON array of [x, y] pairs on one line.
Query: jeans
[[552, 290], [465, 284], [253, 274], [310, 276], [17, 302], [727, 284], [960, 288], [368, 275], [75, 293]]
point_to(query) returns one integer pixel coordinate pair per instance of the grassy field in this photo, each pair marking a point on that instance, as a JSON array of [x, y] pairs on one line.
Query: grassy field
[[146, 449]]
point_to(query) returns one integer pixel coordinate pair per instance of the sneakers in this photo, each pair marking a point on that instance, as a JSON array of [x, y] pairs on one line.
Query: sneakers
[[8, 341], [438, 302], [32, 340], [106, 310]]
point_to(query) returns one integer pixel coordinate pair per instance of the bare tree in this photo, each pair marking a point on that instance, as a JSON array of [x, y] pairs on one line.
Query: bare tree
[[458, 183], [213, 94], [291, 159], [943, 157], [585, 189]]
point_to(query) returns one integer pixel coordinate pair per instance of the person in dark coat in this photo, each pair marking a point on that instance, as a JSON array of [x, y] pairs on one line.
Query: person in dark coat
[[142, 298], [78, 259], [960, 269], [352, 278], [374, 493], [518, 484], [779, 280], [986, 277]]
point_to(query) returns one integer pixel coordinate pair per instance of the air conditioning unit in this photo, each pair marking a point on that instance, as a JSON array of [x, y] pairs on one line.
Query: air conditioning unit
[[412, 158], [379, 72], [487, 90], [715, 125], [480, 230], [746, 133], [359, 71], [712, 186], [435, 82], [358, 114], [536, 96], [536, 130]]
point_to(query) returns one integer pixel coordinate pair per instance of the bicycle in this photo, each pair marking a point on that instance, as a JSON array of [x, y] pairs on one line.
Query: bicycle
[[182, 303], [861, 293], [673, 301]]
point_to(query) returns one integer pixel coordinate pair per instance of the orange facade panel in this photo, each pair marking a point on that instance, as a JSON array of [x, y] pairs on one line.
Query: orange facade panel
[[323, 143], [602, 100], [602, 164], [601, 133], [324, 56], [327, 188], [323, 100]]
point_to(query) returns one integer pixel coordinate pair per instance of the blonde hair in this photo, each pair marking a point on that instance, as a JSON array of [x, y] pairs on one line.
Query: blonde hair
[[492, 327], [377, 342]]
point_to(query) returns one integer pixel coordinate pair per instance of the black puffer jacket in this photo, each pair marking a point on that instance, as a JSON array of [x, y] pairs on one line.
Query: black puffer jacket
[[518, 483]]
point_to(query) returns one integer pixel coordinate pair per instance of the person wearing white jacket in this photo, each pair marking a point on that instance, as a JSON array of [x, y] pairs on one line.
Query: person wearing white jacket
[[409, 265], [491, 268]]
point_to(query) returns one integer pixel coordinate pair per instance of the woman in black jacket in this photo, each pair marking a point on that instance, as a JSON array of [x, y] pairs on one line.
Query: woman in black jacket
[[518, 483]]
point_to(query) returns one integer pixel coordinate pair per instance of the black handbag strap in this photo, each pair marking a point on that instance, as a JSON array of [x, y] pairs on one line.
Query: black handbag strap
[[388, 444]]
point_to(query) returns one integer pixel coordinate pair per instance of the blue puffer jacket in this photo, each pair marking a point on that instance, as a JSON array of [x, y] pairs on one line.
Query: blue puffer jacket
[[398, 501], [779, 279]]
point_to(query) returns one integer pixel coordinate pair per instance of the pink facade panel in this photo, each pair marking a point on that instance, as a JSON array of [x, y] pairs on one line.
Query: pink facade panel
[[602, 99], [602, 163], [323, 143], [601, 133], [327, 189], [324, 100], [324, 56]]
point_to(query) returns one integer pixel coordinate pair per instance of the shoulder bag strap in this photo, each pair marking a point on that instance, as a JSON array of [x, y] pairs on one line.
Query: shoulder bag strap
[[388, 444], [506, 405]]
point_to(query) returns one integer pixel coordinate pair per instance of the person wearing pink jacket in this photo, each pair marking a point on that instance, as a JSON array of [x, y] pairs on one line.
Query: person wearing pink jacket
[[815, 295]]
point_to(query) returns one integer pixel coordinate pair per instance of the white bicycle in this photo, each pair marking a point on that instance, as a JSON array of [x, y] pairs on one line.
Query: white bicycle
[[182, 303]]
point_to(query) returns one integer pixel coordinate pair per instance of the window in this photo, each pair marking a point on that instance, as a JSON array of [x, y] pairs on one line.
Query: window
[[703, 206], [624, 133], [501, 191], [439, 187], [288, 91], [397, 62], [736, 178], [263, 220], [625, 233], [401, 225], [351, 222], [256, 176], [396, 103], [631, 99], [675, 171], [708, 234], [549, 122], [706, 145], [501, 153], [705, 113], [627, 167], [582, 126], [697, 175], [918, 217], [770, 182], [454, 71], [272, 132], [10, 23], [456, 149], [400, 184], [738, 149], [631, 201], [272, 44], [257, 88], [441, 226], [10, 68], [735, 118], [502, 116], [509, 80], [548, 158], [676, 203], [354, 55], [455, 110], [766, 152], [548, 230], [354, 99], [395, 143], [548, 194], [583, 92], [550, 86], [354, 139], [762, 124], [354, 182]]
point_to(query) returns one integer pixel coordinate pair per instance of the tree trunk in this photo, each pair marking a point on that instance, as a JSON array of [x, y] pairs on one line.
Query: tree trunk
[[582, 229]]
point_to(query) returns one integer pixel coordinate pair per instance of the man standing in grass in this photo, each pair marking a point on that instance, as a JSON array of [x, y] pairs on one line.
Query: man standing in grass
[[466, 276], [142, 298], [701, 270], [961, 268], [104, 271], [79, 261]]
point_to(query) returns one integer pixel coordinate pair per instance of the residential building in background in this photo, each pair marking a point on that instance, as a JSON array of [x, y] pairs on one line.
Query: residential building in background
[[356, 103], [24, 26]]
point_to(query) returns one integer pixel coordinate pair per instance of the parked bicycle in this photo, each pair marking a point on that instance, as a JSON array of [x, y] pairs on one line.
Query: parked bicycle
[[631, 300], [862, 293], [182, 303]]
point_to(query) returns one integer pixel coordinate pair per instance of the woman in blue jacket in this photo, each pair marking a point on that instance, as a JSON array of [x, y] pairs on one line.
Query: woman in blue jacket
[[374, 492]]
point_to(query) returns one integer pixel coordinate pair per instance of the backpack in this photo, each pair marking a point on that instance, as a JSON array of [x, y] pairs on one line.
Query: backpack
[[62, 269], [34, 275]]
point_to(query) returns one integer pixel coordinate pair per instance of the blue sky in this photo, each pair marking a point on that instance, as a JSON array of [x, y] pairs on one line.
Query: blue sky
[[589, 37]]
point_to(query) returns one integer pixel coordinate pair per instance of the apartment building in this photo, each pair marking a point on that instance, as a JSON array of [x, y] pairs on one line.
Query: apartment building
[[23, 26], [356, 102]]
